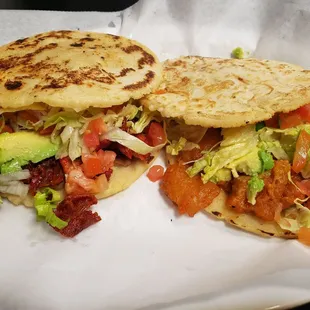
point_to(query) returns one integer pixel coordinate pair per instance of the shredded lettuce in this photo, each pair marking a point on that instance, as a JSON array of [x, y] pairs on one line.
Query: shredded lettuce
[[182, 145], [133, 143], [176, 146], [292, 219], [255, 185], [64, 117], [198, 166], [45, 201], [237, 142], [281, 142], [144, 120]]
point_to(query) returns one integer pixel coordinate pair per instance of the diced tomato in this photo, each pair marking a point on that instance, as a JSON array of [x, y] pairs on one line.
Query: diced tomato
[[156, 134], [273, 122], [47, 131], [288, 120], [74, 188], [78, 183], [304, 112], [107, 159], [94, 164], [156, 173], [91, 140], [304, 235], [304, 186], [301, 152], [77, 176], [91, 165], [97, 126], [28, 115]]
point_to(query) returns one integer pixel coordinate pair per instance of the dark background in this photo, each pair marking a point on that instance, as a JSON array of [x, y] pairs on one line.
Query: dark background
[[65, 5], [86, 5]]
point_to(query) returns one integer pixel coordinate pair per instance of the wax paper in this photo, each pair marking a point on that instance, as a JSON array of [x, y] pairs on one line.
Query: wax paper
[[142, 255]]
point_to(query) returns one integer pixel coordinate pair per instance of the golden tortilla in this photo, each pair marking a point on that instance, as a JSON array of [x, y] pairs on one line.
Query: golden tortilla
[[215, 92], [74, 69]]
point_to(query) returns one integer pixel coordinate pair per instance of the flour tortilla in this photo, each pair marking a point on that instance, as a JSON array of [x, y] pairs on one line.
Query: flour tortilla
[[121, 179], [215, 92], [74, 69]]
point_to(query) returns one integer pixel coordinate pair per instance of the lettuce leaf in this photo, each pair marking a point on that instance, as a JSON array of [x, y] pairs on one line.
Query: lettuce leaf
[[237, 143], [65, 117], [281, 142], [133, 143], [292, 219], [143, 121]]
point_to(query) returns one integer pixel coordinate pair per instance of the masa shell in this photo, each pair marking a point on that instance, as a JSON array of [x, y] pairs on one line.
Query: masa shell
[[73, 69], [215, 92], [247, 222]]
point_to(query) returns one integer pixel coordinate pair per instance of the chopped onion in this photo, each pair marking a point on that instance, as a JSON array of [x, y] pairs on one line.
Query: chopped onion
[[16, 188], [15, 176]]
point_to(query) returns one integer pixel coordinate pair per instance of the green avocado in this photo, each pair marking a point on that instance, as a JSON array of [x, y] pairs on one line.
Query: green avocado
[[249, 164], [221, 175], [19, 148]]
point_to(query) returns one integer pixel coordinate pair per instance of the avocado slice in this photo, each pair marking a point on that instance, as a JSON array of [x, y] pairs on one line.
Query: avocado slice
[[19, 148]]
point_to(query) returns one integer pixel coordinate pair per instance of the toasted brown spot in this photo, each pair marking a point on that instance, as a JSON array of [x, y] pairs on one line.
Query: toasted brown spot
[[288, 233], [19, 41], [149, 76], [233, 222], [125, 71], [12, 85], [78, 77], [89, 39], [216, 213], [146, 59], [80, 44], [267, 233], [25, 60]]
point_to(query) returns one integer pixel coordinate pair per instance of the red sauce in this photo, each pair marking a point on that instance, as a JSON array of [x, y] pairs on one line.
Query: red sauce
[[156, 173]]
